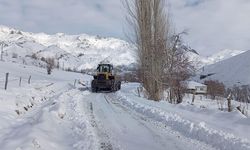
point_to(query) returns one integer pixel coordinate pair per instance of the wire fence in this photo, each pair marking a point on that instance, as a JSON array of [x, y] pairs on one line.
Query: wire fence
[[10, 80], [7, 78]]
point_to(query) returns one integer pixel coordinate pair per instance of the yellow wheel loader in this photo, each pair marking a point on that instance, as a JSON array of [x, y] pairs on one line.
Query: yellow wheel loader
[[105, 80]]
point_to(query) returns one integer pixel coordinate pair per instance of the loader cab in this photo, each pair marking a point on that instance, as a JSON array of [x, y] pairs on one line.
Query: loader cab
[[104, 72], [105, 68]]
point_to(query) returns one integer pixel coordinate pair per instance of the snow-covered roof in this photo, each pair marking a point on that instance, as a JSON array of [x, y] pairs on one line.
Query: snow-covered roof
[[193, 84]]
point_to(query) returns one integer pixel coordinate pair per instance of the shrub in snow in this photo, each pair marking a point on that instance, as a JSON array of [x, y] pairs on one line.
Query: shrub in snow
[[69, 69], [80, 55], [18, 112], [43, 59], [14, 55], [242, 95], [50, 64], [34, 56], [215, 88]]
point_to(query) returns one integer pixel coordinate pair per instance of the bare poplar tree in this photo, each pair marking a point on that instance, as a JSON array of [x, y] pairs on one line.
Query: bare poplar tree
[[161, 63], [149, 21]]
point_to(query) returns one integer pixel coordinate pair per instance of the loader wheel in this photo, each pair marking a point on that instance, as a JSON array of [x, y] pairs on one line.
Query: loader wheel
[[95, 89], [119, 85], [112, 89]]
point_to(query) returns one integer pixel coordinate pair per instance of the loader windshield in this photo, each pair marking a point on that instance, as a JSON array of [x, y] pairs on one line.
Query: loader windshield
[[104, 68]]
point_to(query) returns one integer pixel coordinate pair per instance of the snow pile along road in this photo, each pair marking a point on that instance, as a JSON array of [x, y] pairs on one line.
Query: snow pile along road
[[46, 114], [196, 130]]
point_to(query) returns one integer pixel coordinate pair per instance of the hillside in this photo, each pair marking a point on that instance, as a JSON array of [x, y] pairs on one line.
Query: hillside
[[200, 61], [71, 51], [234, 70]]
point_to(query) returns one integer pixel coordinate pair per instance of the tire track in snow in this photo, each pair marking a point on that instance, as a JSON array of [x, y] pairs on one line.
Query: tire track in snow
[[141, 120], [105, 143], [124, 127], [159, 138], [81, 130]]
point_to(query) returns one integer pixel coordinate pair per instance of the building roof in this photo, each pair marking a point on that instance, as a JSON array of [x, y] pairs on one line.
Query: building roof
[[193, 84]]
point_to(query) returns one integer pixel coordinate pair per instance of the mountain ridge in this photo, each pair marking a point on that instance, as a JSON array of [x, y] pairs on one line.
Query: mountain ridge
[[79, 52], [231, 71], [84, 48]]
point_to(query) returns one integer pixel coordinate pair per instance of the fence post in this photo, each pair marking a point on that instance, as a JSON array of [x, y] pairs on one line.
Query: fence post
[[29, 80], [138, 90], [193, 97], [1, 55], [6, 81], [20, 81]]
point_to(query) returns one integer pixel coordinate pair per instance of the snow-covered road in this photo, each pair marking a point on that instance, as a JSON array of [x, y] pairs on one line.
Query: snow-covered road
[[78, 119], [118, 127]]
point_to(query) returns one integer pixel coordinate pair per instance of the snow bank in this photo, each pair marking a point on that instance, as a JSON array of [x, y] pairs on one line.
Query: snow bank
[[195, 130], [46, 114]]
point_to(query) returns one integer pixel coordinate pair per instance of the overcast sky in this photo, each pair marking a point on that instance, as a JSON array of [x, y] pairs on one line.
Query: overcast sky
[[212, 25]]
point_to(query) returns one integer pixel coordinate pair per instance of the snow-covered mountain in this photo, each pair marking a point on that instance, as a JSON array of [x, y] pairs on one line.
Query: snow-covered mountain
[[79, 52], [72, 51], [223, 55], [231, 71], [200, 61]]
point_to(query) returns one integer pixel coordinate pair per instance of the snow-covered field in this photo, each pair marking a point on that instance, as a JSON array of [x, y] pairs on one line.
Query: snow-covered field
[[51, 113]]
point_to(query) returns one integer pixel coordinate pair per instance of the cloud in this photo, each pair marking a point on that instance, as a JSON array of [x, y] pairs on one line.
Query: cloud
[[70, 16], [213, 24]]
